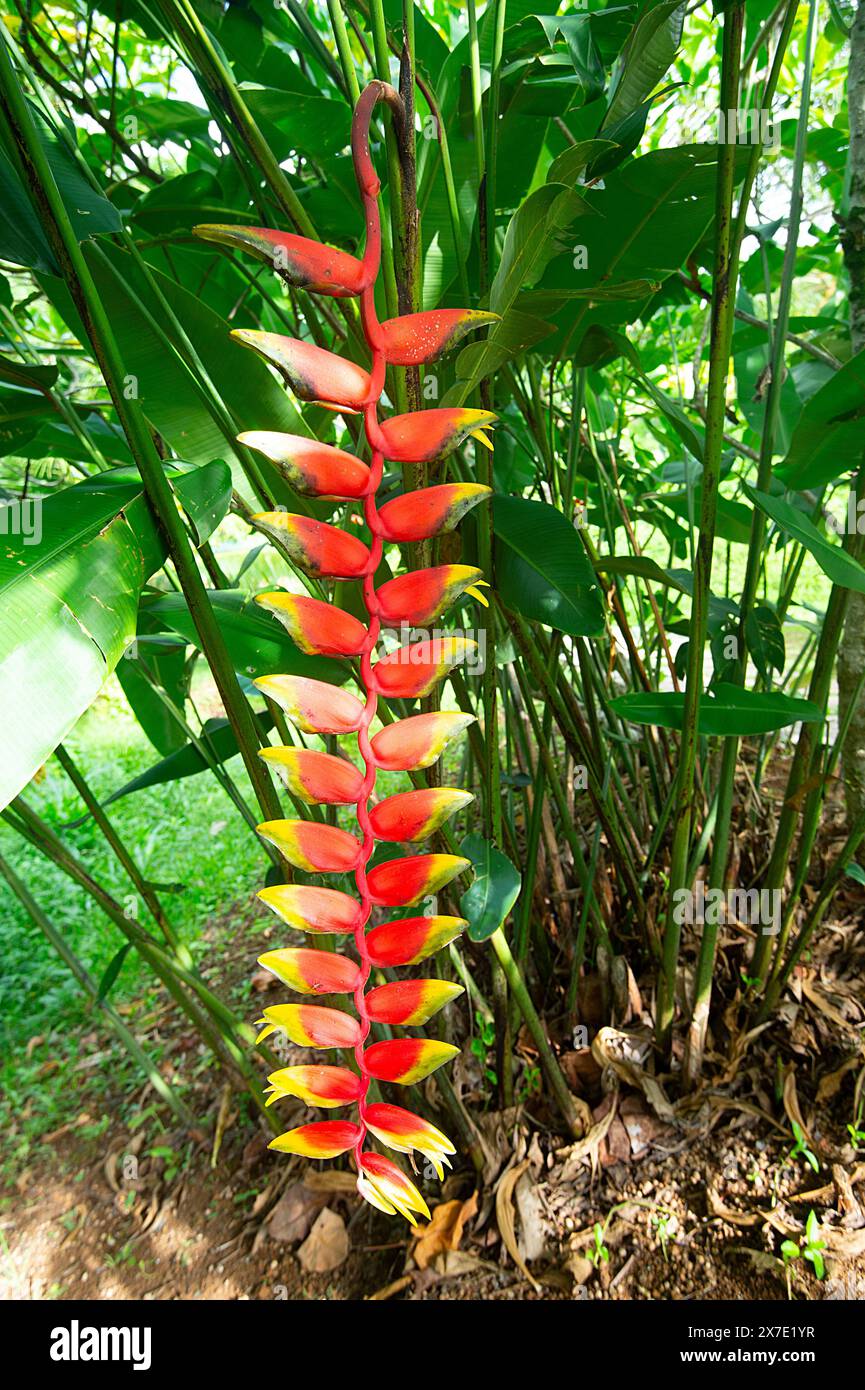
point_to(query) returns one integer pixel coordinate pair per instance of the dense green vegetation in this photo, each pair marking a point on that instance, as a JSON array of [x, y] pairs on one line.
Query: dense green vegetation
[[680, 397]]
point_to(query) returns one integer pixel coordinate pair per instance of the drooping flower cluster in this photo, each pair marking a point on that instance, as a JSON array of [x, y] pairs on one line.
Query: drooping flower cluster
[[416, 598]]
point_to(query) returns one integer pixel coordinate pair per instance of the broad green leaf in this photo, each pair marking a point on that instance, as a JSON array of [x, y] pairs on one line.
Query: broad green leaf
[[22, 413], [15, 373], [726, 710], [168, 396], [541, 568], [22, 240], [651, 214], [646, 57], [314, 124], [827, 441], [55, 439], [531, 240], [516, 333], [643, 567], [68, 610], [732, 522], [765, 638], [165, 659], [494, 891], [833, 560], [576, 30], [206, 496], [691, 435], [571, 163]]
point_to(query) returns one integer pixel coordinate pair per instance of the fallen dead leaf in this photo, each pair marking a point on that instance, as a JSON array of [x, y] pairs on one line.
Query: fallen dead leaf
[[326, 1246], [505, 1218], [445, 1230], [294, 1213]]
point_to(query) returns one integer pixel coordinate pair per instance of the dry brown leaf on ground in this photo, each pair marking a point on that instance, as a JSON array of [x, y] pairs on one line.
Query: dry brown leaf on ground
[[625, 1054], [588, 1147], [505, 1218], [294, 1213], [746, 1107], [735, 1218], [445, 1230], [830, 1084], [819, 1000], [326, 1246], [535, 1229], [791, 1103]]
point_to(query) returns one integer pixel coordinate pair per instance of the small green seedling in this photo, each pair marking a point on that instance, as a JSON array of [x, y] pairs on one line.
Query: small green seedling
[[800, 1148], [664, 1224], [481, 1044], [600, 1252], [811, 1249], [856, 1132]]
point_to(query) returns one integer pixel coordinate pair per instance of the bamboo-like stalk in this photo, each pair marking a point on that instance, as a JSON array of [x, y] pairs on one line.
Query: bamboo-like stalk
[[225, 1035], [719, 356], [717, 869], [148, 895], [91, 989]]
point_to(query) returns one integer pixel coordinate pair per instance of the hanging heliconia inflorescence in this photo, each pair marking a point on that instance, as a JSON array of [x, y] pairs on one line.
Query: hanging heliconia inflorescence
[[415, 598]]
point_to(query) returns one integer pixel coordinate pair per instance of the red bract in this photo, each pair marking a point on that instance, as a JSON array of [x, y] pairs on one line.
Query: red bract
[[314, 777], [313, 373], [431, 434], [417, 515], [315, 547], [420, 596], [302, 262], [313, 706], [313, 469], [416, 815], [317, 627], [418, 338]]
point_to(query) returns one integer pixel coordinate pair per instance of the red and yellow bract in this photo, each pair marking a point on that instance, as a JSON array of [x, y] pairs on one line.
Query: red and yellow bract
[[409, 600]]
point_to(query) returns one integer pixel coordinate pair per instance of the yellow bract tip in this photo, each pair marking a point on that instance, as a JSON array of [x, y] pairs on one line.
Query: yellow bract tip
[[481, 438]]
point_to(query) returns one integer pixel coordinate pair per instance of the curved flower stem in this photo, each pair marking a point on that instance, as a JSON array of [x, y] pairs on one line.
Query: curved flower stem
[[369, 186]]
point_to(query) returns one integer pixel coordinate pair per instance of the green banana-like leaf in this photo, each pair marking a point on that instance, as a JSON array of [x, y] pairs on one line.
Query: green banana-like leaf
[[69, 594], [726, 710], [541, 569]]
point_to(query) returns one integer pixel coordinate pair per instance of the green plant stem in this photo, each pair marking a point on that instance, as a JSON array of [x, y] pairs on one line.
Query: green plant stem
[[559, 1087], [723, 300], [90, 988], [343, 48], [726, 779], [121, 853]]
